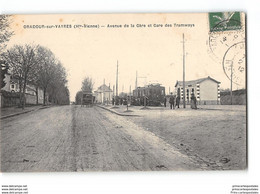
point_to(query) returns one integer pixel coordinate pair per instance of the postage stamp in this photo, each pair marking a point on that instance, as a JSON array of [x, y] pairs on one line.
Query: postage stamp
[[224, 21]]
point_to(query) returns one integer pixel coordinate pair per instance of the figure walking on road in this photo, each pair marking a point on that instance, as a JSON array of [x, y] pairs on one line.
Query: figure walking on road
[[193, 104], [165, 100], [171, 101], [178, 101]]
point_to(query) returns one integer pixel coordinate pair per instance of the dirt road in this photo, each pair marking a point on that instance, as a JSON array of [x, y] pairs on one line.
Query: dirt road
[[73, 138]]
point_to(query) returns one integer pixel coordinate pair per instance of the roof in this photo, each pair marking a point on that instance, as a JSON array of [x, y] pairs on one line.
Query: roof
[[103, 88], [197, 81], [151, 86]]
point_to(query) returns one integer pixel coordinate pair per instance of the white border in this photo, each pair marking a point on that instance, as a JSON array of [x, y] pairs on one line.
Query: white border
[[151, 182]]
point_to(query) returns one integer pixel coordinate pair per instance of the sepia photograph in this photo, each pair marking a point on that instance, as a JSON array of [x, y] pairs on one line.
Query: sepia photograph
[[123, 92]]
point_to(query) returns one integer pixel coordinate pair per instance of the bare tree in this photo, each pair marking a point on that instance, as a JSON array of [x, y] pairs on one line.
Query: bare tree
[[52, 77], [5, 30], [22, 62], [46, 69], [87, 84], [57, 88]]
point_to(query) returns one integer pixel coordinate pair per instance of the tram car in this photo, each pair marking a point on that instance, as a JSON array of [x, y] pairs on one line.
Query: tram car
[[87, 99], [154, 94]]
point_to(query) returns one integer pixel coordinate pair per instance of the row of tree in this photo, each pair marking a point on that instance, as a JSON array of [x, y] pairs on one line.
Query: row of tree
[[37, 65]]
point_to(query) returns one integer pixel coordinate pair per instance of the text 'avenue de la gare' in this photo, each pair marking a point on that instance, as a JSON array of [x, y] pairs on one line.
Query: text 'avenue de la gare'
[[89, 26]]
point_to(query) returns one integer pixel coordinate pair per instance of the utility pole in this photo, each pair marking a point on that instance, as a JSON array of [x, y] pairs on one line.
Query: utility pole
[[103, 91], [130, 95], [231, 85], [184, 96], [113, 90], [109, 92], [136, 81], [117, 79]]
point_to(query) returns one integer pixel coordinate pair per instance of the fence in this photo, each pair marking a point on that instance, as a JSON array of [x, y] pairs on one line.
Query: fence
[[9, 99], [238, 97]]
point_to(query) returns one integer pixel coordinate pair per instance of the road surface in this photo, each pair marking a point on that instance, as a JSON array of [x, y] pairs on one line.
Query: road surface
[[74, 138]]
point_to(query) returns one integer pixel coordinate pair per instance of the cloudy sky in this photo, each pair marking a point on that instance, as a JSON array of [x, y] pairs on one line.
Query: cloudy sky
[[155, 52]]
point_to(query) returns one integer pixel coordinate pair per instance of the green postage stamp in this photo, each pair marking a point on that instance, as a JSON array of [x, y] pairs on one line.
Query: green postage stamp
[[224, 21]]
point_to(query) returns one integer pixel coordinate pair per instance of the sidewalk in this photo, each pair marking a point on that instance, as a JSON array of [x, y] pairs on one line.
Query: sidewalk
[[14, 111], [140, 110], [119, 110]]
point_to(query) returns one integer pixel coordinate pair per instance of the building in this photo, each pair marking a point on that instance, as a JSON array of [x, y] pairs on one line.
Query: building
[[206, 90], [12, 86], [103, 94], [154, 93]]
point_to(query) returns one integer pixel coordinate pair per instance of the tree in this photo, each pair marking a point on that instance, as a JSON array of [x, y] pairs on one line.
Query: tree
[[46, 69], [87, 84], [5, 31], [57, 89], [4, 70], [78, 97], [52, 77], [38, 65], [22, 63]]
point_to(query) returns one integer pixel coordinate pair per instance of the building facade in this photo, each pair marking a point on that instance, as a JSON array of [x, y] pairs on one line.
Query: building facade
[[154, 93], [12, 86], [103, 94], [206, 90]]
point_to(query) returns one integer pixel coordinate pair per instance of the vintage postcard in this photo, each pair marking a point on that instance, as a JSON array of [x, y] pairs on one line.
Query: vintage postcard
[[123, 92]]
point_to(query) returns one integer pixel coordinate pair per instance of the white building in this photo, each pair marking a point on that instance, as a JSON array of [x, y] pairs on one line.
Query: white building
[[30, 90], [206, 90], [103, 94]]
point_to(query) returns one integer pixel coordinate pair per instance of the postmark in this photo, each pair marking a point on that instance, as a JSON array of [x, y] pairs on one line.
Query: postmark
[[219, 42], [234, 63]]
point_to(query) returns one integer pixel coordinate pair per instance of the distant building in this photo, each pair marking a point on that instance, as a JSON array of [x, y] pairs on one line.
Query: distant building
[[103, 94], [206, 90], [153, 92], [12, 85]]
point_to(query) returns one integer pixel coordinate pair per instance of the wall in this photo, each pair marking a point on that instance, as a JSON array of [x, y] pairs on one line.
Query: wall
[[9, 99], [238, 97], [208, 91], [7, 81]]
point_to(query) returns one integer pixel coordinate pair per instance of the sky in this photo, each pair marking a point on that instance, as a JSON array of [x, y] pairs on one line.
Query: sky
[[155, 52]]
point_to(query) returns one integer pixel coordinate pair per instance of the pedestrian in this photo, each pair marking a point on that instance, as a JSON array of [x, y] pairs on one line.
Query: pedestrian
[[171, 101], [178, 101], [193, 104], [165, 100], [113, 101]]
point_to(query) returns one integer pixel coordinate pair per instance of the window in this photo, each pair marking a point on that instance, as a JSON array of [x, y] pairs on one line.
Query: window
[[12, 86]]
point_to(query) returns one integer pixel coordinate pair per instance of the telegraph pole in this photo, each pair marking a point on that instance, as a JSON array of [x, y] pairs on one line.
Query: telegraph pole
[[184, 96], [103, 91], [113, 90], [136, 81], [130, 95], [231, 85], [109, 93], [117, 79]]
